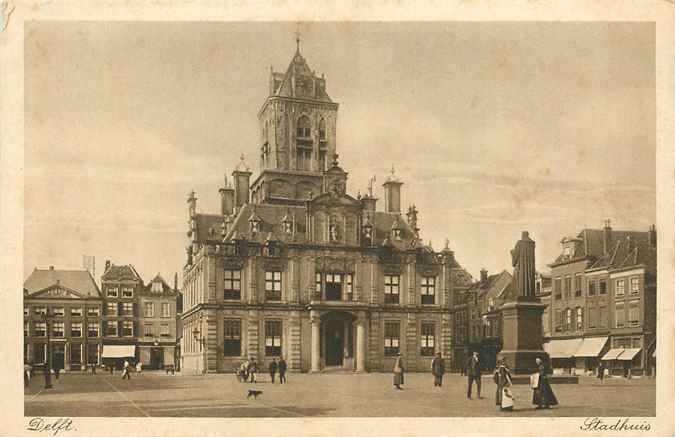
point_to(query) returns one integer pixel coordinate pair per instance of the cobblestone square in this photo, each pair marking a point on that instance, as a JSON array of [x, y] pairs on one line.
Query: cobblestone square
[[328, 395]]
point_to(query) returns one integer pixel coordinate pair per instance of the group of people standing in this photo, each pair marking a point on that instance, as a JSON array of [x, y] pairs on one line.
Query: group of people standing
[[542, 396], [249, 369]]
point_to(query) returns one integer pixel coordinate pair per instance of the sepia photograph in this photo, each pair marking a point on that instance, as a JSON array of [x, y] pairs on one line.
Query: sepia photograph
[[295, 219]]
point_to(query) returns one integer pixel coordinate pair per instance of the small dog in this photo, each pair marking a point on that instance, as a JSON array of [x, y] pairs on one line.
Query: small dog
[[254, 393]]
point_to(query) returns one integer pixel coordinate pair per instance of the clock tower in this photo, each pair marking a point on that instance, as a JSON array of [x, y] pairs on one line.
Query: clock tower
[[298, 131]]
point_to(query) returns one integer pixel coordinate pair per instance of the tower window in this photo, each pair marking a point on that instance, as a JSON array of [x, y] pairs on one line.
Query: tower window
[[304, 144], [303, 129], [322, 130]]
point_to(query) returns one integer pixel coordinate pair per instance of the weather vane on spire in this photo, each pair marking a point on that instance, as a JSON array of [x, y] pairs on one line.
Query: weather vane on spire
[[297, 36]]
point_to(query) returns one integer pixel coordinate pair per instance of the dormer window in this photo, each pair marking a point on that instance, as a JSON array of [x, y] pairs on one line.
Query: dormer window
[[567, 251], [255, 222]]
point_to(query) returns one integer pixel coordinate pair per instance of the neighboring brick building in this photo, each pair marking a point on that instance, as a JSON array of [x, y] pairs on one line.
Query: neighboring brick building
[[483, 320], [294, 266], [157, 338], [604, 300], [73, 301], [543, 292], [121, 288]]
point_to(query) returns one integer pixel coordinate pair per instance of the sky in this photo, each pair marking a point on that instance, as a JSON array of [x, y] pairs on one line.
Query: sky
[[494, 128]]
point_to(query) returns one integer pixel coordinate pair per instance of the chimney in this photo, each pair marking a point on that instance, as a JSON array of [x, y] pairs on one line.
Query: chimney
[[175, 282], [242, 180], [51, 267], [368, 202], [606, 237], [392, 193], [226, 198], [107, 265], [652, 236], [483, 276]]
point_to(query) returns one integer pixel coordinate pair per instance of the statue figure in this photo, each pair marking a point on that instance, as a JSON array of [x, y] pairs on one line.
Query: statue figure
[[334, 233], [522, 259]]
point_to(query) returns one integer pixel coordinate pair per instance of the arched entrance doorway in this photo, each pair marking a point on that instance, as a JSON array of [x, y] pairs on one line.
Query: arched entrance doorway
[[337, 339]]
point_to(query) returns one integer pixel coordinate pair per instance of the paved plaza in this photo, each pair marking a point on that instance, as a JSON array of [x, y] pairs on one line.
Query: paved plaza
[[336, 395]]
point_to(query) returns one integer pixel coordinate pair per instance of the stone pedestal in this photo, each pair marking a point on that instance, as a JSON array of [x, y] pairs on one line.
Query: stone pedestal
[[522, 335]]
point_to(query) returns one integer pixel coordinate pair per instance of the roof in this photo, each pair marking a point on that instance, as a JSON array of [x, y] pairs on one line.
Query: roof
[[625, 254], [166, 289], [591, 243], [300, 82], [271, 217], [121, 273], [494, 287], [80, 281]]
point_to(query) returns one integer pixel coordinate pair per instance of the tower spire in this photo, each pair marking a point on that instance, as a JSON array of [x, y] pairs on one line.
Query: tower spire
[[297, 37]]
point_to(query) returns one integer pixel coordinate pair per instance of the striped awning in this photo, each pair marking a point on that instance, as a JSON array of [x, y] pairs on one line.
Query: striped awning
[[629, 354], [612, 354]]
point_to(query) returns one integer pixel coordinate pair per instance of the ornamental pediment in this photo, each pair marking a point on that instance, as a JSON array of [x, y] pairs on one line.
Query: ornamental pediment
[[56, 292], [333, 199], [335, 264]]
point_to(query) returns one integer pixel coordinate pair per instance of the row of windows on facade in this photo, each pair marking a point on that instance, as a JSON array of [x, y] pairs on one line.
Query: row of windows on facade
[[594, 286], [333, 284], [114, 291], [112, 309], [489, 328], [573, 319], [61, 311], [273, 338], [58, 329], [39, 355]]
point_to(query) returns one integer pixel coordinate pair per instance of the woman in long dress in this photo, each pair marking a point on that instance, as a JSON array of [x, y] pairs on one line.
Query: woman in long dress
[[504, 396], [399, 370], [543, 396]]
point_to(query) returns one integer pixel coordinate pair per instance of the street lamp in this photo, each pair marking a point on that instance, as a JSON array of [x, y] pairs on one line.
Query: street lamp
[[46, 317], [201, 341]]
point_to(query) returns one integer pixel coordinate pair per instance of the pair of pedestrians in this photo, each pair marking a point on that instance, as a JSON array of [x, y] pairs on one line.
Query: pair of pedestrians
[[281, 367]]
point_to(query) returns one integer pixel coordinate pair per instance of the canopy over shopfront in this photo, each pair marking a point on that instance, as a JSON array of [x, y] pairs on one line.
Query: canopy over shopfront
[[118, 351], [621, 354], [562, 348], [612, 354], [629, 354], [591, 347]]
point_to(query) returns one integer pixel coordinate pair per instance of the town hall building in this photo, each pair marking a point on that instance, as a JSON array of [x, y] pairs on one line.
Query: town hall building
[[293, 266]]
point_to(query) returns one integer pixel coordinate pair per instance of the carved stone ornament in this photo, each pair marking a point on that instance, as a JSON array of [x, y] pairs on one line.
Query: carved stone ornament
[[233, 263], [391, 269], [428, 269], [278, 264], [333, 264]]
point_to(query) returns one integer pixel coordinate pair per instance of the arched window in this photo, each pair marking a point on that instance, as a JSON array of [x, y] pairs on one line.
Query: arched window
[[304, 130], [322, 129], [304, 144], [323, 149]]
